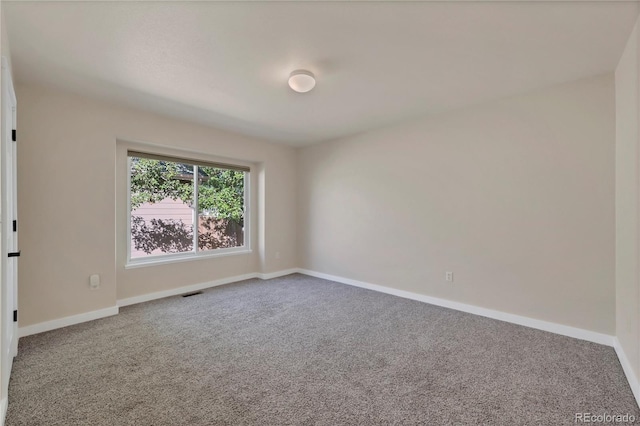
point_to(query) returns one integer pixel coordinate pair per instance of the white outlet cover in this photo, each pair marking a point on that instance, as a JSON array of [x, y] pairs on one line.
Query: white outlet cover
[[94, 281]]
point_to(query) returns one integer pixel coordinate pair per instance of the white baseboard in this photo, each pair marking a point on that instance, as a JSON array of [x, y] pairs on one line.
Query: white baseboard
[[102, 313], [628, 371], [3, 410], [278, 274], [565, 330], [66, 321], [182, 290], [202, 286]]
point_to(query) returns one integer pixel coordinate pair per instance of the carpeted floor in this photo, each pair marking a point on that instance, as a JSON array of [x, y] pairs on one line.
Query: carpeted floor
[[300, 350]]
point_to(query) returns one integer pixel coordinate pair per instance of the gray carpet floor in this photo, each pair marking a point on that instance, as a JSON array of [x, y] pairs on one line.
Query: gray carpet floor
[[299, 350]]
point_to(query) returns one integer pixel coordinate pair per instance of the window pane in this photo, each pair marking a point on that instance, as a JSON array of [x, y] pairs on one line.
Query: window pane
[[221, 208], [161, 207]]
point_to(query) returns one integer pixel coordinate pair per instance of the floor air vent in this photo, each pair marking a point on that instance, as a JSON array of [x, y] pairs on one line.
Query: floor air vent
[[191, 294]]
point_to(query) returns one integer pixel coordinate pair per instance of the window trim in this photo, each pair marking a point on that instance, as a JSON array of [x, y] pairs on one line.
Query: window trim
[[195, 254]]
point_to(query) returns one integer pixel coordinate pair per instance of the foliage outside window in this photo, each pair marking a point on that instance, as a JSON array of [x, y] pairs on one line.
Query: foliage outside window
[[177, 207]]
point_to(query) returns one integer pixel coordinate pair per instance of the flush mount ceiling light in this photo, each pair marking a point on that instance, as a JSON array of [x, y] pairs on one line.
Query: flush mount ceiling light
[[302, 81]]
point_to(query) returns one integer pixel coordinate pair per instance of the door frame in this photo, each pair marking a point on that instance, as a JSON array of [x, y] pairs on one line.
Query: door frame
[[8, 234]]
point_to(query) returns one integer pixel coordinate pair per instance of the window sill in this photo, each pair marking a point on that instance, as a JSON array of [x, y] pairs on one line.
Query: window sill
[[141, 263]]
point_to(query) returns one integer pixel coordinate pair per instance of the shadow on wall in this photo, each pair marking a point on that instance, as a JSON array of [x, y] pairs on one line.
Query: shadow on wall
[[153, 235]]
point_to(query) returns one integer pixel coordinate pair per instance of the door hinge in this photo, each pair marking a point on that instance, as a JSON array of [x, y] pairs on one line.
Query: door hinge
[[15, 316], [14, 254], [13, 135], [15, 226]]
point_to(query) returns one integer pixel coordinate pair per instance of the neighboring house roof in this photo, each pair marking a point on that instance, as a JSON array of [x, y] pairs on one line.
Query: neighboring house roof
[[185, 171]]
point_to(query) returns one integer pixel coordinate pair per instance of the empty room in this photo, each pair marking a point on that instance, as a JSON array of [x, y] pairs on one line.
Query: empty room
[[319, 213]]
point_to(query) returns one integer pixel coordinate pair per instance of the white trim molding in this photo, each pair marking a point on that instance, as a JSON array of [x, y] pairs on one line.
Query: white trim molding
[[103, 313], [278, 274], [182, 290], [565, 330], [202, 286], [628, 371], [66, 321], [3, 410], [185, 257]]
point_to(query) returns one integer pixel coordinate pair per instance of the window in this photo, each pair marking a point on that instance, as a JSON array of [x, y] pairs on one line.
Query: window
[[185, 208]]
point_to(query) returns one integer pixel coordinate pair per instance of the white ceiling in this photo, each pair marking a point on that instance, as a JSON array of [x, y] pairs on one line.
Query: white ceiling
[[377, 63]]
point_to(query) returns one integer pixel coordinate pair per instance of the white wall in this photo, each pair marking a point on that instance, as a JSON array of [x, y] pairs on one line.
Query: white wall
[[516, 197], [627, 208], [72, 202]]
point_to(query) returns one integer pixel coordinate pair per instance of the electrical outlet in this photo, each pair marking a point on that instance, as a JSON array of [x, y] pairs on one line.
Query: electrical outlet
[[448, 276], [94, 282]]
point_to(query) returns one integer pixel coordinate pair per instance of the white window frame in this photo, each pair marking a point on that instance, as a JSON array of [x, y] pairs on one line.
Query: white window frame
[[196, 253]]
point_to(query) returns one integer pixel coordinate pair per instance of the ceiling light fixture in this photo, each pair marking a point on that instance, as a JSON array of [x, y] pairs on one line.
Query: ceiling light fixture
[[302, 81]]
